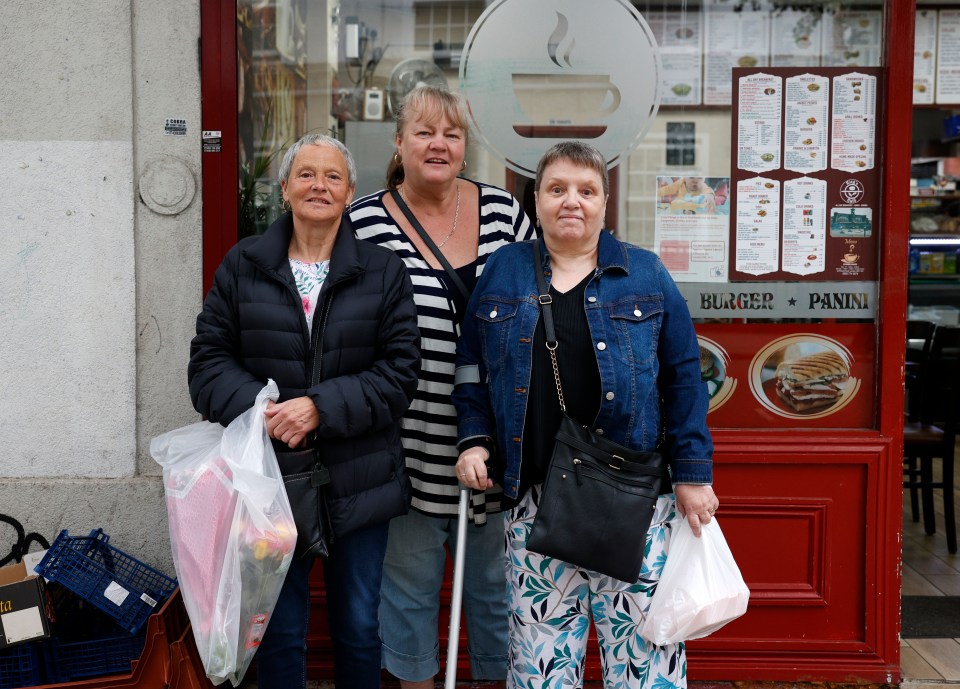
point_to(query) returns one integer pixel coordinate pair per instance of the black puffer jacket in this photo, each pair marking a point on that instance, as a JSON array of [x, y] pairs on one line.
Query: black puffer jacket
[[252, 328]]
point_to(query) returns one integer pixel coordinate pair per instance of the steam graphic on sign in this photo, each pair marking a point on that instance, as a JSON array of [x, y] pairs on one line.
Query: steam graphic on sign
[[553, 101]]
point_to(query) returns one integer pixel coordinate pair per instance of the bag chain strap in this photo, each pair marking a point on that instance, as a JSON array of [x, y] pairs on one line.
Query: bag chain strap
[[545, 301]]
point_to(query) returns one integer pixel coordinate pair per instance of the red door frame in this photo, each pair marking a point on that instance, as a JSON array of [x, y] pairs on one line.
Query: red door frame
[[873, 658], [218, 86]]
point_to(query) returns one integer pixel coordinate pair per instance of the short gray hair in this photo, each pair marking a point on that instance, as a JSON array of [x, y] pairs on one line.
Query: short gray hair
[[318, 140], [578, 153]]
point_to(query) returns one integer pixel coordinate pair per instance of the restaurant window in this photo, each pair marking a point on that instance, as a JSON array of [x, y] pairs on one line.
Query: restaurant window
[[755, 175]]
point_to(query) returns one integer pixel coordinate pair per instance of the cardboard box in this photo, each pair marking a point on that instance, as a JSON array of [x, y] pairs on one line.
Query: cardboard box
[[24, 615]]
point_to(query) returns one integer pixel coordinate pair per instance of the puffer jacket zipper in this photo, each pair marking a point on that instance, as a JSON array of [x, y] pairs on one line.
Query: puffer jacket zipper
[[317, 366]]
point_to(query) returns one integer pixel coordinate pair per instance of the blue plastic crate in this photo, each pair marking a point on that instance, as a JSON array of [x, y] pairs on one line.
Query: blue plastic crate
[[121, 586], [20, 666], [111, 655]]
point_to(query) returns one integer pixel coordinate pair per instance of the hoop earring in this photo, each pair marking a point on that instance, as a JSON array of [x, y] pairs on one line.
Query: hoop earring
[[397, 160], [463, 166]]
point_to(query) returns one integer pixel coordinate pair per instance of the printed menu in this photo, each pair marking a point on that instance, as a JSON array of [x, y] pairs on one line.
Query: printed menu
[[759, 120], [805, 126], [795, 38], [758, 225], [924, 56], [731, 39], [854, 122], [804, 225], [803, 202], [948, 57], [852, 39], [680, 38]]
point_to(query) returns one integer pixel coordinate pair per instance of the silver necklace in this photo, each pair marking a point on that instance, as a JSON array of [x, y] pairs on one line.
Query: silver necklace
[[456, 215]]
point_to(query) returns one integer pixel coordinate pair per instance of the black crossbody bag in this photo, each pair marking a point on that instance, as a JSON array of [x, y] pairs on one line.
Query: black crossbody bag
[[599, 497]]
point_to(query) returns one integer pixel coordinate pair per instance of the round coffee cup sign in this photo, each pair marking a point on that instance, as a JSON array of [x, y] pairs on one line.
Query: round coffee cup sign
[[536, 72]]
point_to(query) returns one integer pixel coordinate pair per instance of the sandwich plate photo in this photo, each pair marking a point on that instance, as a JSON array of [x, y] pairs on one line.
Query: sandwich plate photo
[[789, 375], [714, 362], [803, 376]]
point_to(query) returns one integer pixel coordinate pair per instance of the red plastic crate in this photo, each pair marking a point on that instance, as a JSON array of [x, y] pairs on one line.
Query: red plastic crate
[[153, 668]]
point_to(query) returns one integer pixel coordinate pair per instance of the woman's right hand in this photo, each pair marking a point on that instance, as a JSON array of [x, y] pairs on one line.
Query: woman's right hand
[[472, 468], [292, 421]]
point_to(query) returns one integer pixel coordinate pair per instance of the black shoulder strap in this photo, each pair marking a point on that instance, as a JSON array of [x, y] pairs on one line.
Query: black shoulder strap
[[544, 297], [451, 271]]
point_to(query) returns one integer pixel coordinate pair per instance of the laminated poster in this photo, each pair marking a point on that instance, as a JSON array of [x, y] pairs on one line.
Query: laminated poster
[[693, 227]]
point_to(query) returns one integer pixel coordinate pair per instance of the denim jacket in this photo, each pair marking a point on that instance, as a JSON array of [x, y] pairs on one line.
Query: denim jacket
[[645, 346]]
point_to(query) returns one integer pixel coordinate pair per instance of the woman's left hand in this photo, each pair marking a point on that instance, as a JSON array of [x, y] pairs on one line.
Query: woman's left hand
[[292, 421], [697, 503]]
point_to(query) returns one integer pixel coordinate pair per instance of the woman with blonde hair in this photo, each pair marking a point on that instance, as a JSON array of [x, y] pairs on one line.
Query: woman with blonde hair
[[465, 221]]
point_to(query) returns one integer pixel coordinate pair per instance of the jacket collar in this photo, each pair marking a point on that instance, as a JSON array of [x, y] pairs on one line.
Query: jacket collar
[[612, 253], [271, 251]]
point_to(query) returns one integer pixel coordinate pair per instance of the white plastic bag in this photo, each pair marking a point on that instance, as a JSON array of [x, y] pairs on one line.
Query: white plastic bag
[[231, 532], [700, 588]]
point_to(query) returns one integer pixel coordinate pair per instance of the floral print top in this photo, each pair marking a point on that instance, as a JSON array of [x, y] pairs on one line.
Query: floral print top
[[309, 278]]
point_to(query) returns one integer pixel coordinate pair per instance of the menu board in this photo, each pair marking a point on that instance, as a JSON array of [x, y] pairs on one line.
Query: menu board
[[924, 56], [795, 38], [948, 57], [806, 189], [680, 38], [731, 39]]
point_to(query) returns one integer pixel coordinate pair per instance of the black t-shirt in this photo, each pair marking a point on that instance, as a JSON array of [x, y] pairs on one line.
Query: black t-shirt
[[579, 376]]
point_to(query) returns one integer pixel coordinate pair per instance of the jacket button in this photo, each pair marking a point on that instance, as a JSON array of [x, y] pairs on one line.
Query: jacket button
[[591, 299], [609, 395], [637, 313], [599, 431], [493, 314], [601, 346]]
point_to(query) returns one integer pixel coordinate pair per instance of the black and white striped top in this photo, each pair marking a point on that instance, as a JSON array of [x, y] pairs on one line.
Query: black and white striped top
[[429, 428]]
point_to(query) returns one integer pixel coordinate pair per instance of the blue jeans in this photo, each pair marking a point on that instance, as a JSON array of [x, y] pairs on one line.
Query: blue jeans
[[352, 575], [410, 603]]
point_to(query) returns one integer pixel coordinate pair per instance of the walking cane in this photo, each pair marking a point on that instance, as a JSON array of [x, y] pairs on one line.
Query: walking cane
[[457, 596]]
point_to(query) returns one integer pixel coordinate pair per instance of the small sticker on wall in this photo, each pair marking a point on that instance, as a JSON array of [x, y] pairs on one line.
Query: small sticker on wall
[[175, 127], [211, 140]]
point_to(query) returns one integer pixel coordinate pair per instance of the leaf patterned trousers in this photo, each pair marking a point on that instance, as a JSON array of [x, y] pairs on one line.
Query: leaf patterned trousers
[[552, 602]]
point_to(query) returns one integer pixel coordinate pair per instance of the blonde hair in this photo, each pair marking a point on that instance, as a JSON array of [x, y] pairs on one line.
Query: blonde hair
[[430, 104]]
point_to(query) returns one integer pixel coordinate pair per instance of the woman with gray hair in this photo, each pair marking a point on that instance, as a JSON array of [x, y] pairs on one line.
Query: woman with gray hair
[[332, 320]]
